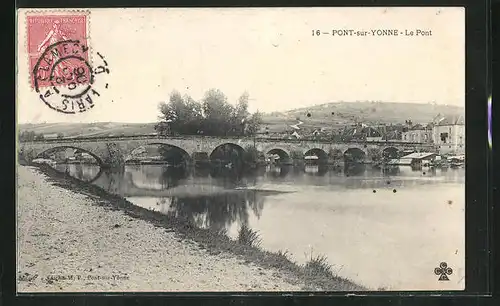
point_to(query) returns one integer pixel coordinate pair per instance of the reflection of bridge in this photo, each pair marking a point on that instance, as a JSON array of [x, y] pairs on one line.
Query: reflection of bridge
[[155, 182], [102, 148], [159, 182]]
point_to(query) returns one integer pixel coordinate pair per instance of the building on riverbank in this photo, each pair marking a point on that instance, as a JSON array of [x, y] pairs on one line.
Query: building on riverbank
[[448, 134], [417, 134]]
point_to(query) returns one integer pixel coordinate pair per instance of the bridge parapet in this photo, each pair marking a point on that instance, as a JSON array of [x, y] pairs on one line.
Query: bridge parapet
[[99, 147], [231, 139]]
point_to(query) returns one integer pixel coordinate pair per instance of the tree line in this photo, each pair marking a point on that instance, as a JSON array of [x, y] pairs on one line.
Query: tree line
[[31, 136], [212, 116]]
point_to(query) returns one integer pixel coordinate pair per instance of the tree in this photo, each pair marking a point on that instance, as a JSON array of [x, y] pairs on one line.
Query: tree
[[27, 136], [194, 118], [242, 106], [163, 128], [240, 115], [181, 115], [23, 136], [113, 157], [217, 113], [250, 155], [253, 123], [60, 135], [213, 116]]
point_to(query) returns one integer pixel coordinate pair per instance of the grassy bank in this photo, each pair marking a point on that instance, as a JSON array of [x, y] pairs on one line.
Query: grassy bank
[[316, 273]]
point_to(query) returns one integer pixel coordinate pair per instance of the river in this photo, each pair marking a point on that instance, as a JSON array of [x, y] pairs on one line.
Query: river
[[382, 230]]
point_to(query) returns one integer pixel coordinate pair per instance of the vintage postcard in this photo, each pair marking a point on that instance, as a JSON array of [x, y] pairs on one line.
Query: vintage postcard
[[240, 149]]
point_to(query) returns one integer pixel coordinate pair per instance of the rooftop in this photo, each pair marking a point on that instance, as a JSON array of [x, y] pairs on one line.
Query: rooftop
[[391, 135], [401, 162], [362, 130], [456, 120], [418, 127]]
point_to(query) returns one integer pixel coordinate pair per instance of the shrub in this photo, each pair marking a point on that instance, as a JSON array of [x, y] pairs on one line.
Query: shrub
[[249, 237], [113, 155], [283, 254], [251, 155], [319, 265]]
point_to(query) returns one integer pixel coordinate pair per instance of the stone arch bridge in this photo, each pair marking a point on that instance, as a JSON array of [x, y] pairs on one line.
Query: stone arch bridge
[[102, 148]]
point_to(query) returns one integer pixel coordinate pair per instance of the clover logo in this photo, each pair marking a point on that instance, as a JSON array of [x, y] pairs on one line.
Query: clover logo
[[443, 271]]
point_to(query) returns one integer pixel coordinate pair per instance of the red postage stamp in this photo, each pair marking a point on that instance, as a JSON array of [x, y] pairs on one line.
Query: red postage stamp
[[60, 70], [46, 34]]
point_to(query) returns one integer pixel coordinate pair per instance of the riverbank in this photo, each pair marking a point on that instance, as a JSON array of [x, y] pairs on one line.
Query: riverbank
[[89, 240]]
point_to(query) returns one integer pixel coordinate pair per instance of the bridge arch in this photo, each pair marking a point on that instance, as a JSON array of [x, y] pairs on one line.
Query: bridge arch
[[167, 152], [390, 152], [319, 153], [227, 152], [354, 155], [284, 155], [57, 148]]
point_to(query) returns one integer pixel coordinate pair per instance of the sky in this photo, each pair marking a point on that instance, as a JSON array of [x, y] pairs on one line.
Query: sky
[[269, 53]]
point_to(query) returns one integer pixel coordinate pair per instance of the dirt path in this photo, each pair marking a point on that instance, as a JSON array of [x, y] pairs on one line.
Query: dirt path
[[65, 243]]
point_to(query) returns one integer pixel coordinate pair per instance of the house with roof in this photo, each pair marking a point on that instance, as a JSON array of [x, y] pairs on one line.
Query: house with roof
[[393, 135], [372, 134], [417, 134], [448, 134], [362, 132], [394, 132]]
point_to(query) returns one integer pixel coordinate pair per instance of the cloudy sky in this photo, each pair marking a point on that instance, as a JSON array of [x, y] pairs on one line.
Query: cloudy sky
[[270, 53]]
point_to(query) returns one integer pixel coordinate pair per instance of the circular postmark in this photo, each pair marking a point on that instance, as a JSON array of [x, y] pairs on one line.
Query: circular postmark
[[64, 78]]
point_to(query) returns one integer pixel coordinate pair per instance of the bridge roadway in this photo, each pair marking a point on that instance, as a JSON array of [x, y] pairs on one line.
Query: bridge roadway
[[105, 149]]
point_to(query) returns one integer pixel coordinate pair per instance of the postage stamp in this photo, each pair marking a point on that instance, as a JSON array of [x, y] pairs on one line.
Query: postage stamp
[[46, 30], [59, 61]]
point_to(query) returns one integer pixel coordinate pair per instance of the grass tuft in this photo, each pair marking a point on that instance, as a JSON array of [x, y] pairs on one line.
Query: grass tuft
[[283, 254], [222, 232], [248, 237], [319, 265]]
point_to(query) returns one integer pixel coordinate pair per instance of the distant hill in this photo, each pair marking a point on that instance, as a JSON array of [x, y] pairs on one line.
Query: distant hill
[[338, 114], [90, 129], [330, 115]]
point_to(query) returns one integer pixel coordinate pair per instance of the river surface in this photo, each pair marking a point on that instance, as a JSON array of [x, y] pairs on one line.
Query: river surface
[[383, 230]]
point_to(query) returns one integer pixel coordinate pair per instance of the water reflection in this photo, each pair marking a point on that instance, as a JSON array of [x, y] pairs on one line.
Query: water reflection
[[331, 209], [135, 179], [84, 172], [353, 169], [217, 212], [170, 178], [319, 170]]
